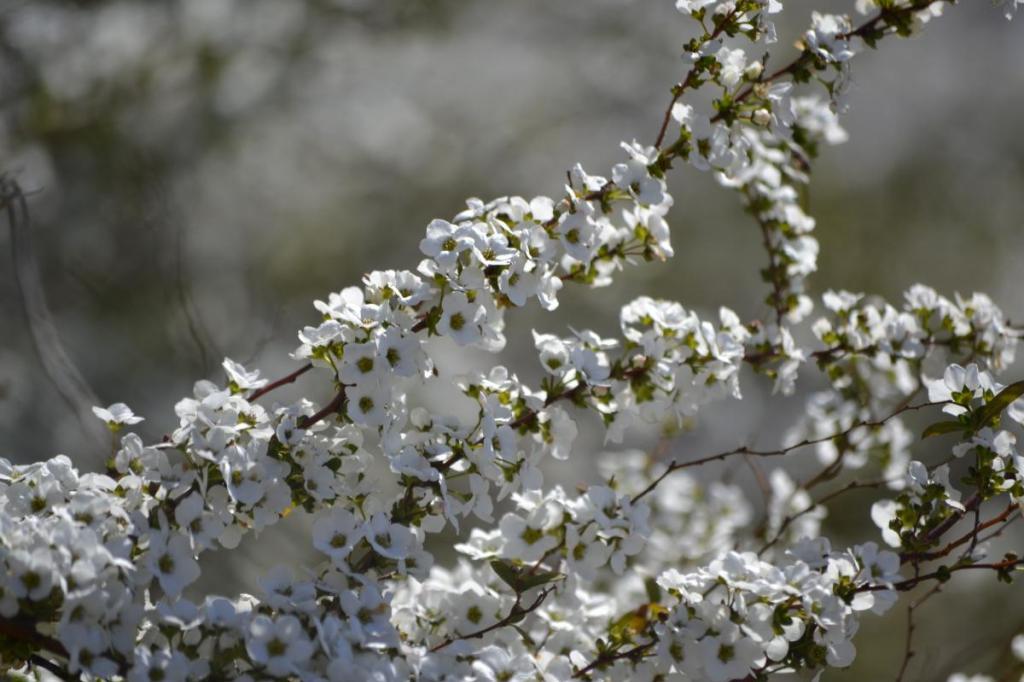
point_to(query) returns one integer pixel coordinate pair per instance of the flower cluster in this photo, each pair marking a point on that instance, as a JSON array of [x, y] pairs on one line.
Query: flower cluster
[[647, 574]]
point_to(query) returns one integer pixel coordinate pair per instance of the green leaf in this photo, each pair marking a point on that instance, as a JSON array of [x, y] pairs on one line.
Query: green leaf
[[938, 428], [528, 580], [522, 578], [995, 407], [636, 622], [527, 640], [629, 626], [507, 571], [653, 589]]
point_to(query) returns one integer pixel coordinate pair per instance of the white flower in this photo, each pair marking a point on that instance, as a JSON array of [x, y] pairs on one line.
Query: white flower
[[33, 573], [345, 306], [281, 591], [402, 354], [281, 645], [729, 655], [461, 319], [170, 560], [395, 285], [248, 474], [445, 241], [585, 553], [733, 63], [367, 404], [390, 540], [883, 512], [117, 415], [473, 607], [134, 457], [498, 664], [825, 37], [520, 281], [1017, 647], [531, 538], [578, 234], [169, 666], [554, 353], [360, 363], [202, 526], [958, 387], [241, 379], [337, 533], [689, 6]]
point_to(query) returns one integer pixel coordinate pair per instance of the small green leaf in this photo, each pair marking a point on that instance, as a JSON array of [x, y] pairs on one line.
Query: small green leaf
[[521, 578], [939, 428], [653, 589], [636, 622], [527, 640], [995, 407], [528, 580], [629, 626], [507, 571]]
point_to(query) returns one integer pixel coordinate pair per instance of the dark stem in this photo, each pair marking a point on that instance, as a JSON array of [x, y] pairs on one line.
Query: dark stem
[[514, 616], [288, 379]]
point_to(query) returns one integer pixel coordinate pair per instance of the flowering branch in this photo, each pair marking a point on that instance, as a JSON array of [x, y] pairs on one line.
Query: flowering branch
[[106, 563]]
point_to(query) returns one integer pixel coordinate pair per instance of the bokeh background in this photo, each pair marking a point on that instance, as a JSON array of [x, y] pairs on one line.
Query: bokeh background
[[201, 170]]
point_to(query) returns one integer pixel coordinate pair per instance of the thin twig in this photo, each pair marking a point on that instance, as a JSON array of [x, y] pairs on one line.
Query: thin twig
[[516, 613], [971, 536], [788, 521], [867, 27], [287, 379], [636, 652], [337, 402], [941, 574], [49, 666], [744, 450], [908, 651]]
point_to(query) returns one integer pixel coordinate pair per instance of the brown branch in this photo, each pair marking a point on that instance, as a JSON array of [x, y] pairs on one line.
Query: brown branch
[[971, 536], [999, 531], [908, 651], [515, 615], [788, 521], [775, 272], [941, 574], [287, 379], [744, 450], [636, 652], [940, 530], [54, 669], [677, 91], [25, 631], [337, 402], [869, 26], [682, 86], [522, 420], [530, 415]]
